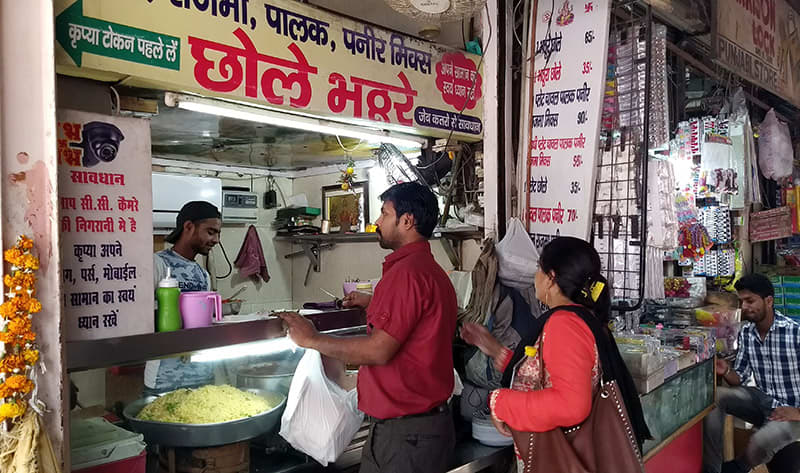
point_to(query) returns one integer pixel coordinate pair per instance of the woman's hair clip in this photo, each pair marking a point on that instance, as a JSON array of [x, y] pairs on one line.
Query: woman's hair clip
[[597, 288], [594, 290]]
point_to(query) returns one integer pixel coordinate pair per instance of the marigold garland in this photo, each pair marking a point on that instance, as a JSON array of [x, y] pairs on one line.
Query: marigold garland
[[13, 409], [349, 176], [17, 335]]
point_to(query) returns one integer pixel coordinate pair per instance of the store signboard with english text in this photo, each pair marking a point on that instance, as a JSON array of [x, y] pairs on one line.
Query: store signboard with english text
[[760, 41]]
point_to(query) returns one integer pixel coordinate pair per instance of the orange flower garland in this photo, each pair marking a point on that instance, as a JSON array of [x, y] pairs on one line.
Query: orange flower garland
[[349, 176], [17, 335]]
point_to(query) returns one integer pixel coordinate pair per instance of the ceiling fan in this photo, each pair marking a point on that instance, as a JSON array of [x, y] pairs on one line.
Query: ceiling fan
[[432, 13]]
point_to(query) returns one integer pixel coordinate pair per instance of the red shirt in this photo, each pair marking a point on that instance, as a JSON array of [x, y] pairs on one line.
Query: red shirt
[[414, 303]]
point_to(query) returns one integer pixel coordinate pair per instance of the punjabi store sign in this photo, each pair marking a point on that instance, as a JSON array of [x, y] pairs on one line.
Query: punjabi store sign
[[276, 53], [564, 122], [760, 41], [105, 203]]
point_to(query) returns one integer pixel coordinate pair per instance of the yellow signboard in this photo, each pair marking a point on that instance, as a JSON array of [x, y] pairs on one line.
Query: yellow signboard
[[760, 41], [276, 53]]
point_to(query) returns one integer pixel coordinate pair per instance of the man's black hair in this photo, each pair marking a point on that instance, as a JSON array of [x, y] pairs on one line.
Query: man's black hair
[[416, 200], [757, 284], [192, 212]]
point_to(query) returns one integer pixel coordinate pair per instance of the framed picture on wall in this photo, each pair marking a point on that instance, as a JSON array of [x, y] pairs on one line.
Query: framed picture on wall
[[348, 207]]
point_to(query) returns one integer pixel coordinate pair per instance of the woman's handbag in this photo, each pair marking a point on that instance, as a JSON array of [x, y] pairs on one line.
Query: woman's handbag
[[604, 443]]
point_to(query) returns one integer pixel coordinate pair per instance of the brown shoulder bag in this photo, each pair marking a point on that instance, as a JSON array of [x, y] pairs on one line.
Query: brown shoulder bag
[[603, 443]]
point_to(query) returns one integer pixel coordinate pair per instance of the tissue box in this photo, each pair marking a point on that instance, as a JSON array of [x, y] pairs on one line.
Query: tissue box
[[639, 363]]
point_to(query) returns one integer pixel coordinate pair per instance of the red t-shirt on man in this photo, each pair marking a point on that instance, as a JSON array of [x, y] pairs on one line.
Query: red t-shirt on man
[[415, 303]]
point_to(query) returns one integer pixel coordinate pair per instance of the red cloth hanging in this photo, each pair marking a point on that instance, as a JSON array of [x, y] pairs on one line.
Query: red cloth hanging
[[251, 261]]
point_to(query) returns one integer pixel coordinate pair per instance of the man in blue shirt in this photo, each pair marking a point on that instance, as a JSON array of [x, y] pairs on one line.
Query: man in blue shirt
[[769, 351], [197, 229]]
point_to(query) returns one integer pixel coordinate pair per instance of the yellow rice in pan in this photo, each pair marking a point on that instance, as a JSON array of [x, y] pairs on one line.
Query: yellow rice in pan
[[205, 405]]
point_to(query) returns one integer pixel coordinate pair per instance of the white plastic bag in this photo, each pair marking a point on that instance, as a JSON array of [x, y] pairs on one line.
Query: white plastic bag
[[516, 257], [321, 418], [775, 154]]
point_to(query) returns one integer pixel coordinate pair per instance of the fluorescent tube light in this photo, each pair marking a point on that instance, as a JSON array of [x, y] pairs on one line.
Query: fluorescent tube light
[[269, 117], [231, 352]]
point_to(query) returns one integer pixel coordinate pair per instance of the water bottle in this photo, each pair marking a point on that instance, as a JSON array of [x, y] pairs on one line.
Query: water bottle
[[168, 317]]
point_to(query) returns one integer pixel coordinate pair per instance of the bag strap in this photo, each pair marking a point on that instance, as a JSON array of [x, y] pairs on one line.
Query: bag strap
[[614, 369], [601, 337], [583, 314]]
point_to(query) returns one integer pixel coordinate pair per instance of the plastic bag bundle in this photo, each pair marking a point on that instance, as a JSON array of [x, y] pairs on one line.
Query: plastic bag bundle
[[516, 257], [775, 154]]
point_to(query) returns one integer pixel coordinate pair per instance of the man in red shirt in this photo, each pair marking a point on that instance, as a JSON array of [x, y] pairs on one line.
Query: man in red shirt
[[406, 358]]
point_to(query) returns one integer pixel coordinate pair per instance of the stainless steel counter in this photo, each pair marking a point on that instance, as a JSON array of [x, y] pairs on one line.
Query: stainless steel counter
[[469, 457]]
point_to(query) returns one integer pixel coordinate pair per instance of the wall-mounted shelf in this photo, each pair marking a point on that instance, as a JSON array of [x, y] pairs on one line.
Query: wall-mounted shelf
[[329, 238], [314, 244], [458, 235]]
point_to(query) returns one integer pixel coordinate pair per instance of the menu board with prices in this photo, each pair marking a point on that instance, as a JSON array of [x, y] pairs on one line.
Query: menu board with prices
[[106, 225], [570, 47], [773, 224]]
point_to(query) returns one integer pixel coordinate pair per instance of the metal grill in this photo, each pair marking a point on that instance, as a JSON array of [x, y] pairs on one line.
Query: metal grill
[[619, 223]]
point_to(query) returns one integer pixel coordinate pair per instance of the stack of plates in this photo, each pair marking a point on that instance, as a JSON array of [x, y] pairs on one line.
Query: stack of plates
[[483, 430]]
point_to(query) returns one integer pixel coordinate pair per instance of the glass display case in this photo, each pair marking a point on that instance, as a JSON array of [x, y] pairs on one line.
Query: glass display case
[[683, 400]]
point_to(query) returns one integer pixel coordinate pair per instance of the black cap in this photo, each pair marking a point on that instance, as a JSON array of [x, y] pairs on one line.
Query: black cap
[[192, 212]]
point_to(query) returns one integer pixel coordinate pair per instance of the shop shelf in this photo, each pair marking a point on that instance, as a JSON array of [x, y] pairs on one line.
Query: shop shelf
[[108, 352], [467, 234]]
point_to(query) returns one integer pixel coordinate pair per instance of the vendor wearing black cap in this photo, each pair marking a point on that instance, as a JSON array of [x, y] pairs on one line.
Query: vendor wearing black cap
[[196, 231]]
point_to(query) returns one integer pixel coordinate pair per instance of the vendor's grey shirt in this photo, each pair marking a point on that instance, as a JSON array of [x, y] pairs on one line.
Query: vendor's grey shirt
[[174, 373]]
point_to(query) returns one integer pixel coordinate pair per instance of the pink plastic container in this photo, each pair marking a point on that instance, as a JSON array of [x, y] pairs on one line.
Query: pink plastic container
[[198, 309]]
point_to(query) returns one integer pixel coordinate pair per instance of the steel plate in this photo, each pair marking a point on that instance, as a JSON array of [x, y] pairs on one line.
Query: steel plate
[[205, 435]]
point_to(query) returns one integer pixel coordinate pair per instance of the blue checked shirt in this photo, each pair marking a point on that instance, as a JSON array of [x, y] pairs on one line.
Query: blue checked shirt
[[774, 362]]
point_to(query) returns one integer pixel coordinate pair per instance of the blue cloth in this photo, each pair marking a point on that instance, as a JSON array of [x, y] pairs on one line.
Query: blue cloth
[[773, 362]]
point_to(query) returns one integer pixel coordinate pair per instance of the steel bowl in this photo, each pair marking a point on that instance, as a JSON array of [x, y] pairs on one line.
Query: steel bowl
[[274, 376], [206, 435]]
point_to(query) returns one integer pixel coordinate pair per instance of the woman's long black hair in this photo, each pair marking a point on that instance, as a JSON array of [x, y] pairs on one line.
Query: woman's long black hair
[[576, 267]]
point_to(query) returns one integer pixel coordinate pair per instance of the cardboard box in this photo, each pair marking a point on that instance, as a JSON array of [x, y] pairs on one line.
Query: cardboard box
[[790, 282], [791, 311], [791, 291], [641, 364]]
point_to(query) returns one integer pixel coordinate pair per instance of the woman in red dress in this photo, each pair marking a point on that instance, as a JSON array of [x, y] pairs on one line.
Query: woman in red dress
[[568, 279]]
